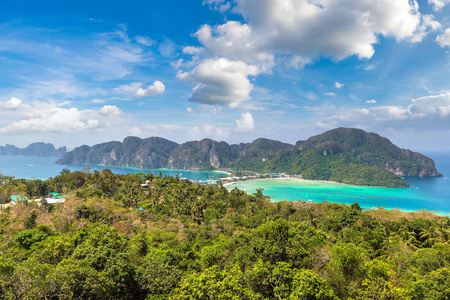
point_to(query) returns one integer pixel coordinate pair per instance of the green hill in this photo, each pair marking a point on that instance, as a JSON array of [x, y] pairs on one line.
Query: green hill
[[344, 155]]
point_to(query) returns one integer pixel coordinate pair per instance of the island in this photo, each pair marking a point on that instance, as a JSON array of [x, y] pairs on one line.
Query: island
[[344, 155], [34, 149]]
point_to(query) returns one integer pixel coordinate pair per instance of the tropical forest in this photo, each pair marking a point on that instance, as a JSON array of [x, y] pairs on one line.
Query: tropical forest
[[158, 237]]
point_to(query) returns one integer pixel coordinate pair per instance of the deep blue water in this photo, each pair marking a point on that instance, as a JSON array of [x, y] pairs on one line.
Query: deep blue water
[[43, 167]]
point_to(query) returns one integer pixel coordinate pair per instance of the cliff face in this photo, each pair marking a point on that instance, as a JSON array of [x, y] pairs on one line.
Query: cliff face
[[205, 154], [151, 153], [333, 148], [34, 149], [154, 153]]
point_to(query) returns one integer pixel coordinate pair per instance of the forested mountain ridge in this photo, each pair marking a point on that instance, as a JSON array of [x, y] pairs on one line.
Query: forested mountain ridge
[[345, 155], [371, 149], [34, 149]]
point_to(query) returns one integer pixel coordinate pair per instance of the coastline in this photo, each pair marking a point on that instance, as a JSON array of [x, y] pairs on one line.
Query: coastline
[[312, 180], [416, 198], [140, 169]]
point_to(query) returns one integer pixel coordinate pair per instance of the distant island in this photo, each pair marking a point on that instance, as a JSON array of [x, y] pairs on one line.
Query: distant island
[[34, 149], [345, 155]]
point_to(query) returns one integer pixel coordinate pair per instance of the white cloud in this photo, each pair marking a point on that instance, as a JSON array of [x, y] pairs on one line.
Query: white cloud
[[167, 48], [234, 41], [245, 123], [370, 67], [312, 28], [156, 88], [160, 130], [338, 85], [429, 112], [438, 4], [220, 81], [372, 101], [219, 5], [176, 64], [297, 61], [135, 89], [144, 40], [428, 24], [329, 94], [65, 67], [54, 117], [128, 88], [208, 131], [189, 110], [12, 103], [444, 39], [55, 120], [294, 32], [110, 110]]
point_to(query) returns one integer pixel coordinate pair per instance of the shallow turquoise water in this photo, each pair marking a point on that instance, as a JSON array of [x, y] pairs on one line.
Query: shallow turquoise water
[[432, 193], [43, 167], [424, 193]]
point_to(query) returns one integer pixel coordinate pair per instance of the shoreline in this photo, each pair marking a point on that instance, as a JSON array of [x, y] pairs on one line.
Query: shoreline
[[365, 204], [140, 169], [312, 180]]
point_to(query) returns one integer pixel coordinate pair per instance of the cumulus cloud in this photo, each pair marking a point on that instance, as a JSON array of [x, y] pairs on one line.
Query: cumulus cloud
[[372, 101], [220, 81], [156, 88], [438, 4], [295, 32], [338, 85], [329, 94], [444, 39], [208, 131], [12, 103], [311, 28], [135, 89], [56, 117], [235, 41], [110, 110], [189, 110], [245, 123]]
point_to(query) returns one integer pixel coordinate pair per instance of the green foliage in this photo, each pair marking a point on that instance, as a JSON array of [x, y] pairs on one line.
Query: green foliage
[[215, 284], [27, 238], [31, 220], [180, 240]]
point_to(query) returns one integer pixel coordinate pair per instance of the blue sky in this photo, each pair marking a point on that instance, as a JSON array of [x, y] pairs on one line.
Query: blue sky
[[83, 72]]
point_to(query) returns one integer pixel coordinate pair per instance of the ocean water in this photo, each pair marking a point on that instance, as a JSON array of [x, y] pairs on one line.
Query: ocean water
[[430, 193], [43, 167]]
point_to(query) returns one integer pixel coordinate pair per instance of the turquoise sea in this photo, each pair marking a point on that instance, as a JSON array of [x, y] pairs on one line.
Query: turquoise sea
[[43, 167], [431, 193]]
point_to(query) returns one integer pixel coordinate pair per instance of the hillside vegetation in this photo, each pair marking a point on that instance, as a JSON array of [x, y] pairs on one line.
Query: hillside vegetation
[[114, 239]]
